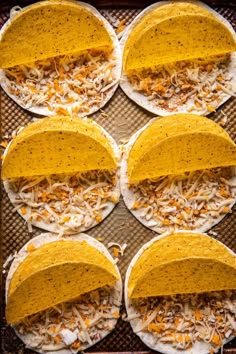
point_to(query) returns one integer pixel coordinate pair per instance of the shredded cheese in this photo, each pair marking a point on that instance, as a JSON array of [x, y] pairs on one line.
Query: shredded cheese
[[187, 85], [72, 325], [187, 201], [9, 260], [71, 202], [118, 250], [67, 84], [182, 320]]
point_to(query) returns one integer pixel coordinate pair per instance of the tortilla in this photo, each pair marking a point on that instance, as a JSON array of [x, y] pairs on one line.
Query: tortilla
[[141, 205], [58, 145], [93, 256], [166, 59], [179, 143], [69, 222], [189, 248], [69, 29]]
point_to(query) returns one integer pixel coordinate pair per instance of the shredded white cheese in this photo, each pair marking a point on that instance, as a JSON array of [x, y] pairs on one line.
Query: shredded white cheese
[[121, 248], [182, 320], [9, 260], [67, 84], [69, 201], [191, 85], [72, 325], [187, 201]]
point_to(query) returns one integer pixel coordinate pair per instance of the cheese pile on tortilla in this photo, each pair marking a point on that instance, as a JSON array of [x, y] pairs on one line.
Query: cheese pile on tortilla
[[172, 286], [61, 173], [168, 65], [77, 274], [64, 46], [178, 172]]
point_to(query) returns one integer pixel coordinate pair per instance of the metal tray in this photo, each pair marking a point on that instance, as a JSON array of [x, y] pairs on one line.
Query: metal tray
[[121, 119]]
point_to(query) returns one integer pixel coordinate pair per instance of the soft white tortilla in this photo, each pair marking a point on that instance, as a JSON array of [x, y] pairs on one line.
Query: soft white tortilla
[[129, 196], [44, 111], [54, 227], [140, 98], [47, 238], [148, 338]]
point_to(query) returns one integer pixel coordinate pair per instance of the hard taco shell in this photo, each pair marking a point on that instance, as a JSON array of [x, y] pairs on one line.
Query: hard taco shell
[[179, 143], [58, 145], [182, 263], [58, 270], [50, 28], [168, 38]]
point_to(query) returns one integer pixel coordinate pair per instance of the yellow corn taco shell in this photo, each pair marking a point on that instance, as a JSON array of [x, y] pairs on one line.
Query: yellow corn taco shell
[[163, 12], [182, 263], [179, 143], [58, 145], [56, 272], [50, 28], [164, 35]]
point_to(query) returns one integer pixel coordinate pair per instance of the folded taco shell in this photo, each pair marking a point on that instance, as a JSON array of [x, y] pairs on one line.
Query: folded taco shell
[[51, 28], [56, 272], [58, 145], [179, 143], [163, 35], [181, 262], [165, 11]]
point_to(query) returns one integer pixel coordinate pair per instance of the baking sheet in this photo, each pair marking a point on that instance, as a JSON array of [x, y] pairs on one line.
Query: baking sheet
[[121, 118]]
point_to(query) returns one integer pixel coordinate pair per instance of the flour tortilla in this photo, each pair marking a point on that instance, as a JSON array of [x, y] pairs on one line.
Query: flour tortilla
[[141, 99], [47, 238], [44, 111], [129, 196], [147, 338], [54, 227]]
